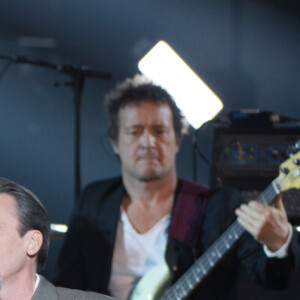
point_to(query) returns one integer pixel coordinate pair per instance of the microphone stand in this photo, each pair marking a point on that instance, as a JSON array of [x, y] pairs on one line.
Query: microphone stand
[[77, 75], [196, 151]]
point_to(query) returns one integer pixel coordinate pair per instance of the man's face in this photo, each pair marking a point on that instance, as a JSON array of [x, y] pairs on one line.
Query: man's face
[[12, 246], [146, 143]]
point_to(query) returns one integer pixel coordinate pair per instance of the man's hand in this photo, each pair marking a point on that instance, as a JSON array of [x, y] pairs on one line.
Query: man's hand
[[268, 225]]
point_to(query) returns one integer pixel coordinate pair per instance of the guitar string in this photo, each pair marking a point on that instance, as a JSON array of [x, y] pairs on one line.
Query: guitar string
[[186, 282]]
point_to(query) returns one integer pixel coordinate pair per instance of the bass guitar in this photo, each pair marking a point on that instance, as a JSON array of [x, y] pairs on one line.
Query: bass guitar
[[155, 285]]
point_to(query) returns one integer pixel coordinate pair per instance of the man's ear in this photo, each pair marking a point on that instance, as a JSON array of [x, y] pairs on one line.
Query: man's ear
[[34, 242]]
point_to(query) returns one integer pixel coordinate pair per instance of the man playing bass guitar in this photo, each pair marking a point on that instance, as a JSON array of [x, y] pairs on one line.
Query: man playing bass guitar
[[124, 226]]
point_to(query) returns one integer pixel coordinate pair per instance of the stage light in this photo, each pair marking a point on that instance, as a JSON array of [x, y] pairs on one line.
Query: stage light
[[62, 228], [58, 231], [196, 100]]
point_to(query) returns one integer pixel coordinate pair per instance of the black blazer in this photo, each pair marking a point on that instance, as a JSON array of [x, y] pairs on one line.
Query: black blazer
[[86, 256]]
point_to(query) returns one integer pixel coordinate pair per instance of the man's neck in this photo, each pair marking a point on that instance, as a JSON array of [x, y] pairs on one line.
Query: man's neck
[[150, 192], [147, 202], [18, 288]]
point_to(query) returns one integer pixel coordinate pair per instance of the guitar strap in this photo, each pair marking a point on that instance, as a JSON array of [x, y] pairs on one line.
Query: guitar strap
[[188, 212]]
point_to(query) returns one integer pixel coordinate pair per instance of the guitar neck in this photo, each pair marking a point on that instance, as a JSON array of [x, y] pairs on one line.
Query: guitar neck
[[202, 267]]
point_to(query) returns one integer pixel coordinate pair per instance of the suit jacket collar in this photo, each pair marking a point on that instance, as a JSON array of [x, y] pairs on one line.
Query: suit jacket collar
[[45, 290]]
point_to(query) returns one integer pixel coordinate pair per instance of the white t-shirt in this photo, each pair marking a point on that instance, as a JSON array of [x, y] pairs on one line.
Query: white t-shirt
[[135, 254]]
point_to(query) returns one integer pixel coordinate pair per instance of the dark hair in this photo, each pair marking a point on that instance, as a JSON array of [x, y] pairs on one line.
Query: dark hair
[[135, 91], [31, 214]]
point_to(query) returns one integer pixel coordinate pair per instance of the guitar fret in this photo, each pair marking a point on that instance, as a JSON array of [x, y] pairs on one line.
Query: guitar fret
[[215, 254], [195, 275], [202, 270], [275, 187], [211, 262], [234, 233], [218, 249], [184, 292], [271, 191], [214, 257], [191, 280], [169, 295], [187, 287], [180, 291], [190, 284], [263, 200]]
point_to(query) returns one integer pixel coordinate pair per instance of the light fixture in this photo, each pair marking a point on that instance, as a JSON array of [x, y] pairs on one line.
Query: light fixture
[[196, 100], [58, 231]]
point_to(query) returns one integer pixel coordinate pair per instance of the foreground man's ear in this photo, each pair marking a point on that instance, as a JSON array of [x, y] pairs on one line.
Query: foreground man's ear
[[34, 242]]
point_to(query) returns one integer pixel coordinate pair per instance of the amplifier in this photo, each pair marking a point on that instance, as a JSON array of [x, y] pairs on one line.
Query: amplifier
[[249, 158]]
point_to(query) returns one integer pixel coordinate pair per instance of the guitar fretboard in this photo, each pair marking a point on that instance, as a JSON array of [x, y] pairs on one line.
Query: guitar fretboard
[[202, 267]]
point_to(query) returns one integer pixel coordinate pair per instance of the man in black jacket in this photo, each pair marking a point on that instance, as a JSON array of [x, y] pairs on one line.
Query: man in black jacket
[[123, 227]]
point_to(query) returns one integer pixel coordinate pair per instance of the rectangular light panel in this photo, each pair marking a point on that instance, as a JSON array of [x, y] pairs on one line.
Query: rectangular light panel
[[196, 100]]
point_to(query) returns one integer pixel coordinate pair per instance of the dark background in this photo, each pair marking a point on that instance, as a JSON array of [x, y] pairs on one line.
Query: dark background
[[247, 51]]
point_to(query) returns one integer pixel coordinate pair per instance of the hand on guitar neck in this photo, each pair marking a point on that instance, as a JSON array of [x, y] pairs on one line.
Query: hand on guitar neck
[[268, 225]]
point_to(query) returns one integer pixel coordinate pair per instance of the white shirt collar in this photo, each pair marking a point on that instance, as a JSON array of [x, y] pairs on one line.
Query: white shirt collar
[[37, 281]]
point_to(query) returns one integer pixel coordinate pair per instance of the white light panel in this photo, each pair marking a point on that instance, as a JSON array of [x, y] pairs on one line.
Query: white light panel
[[196, 100]]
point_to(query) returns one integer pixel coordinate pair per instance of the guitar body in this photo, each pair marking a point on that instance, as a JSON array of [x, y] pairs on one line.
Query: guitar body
[[153, 284]]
